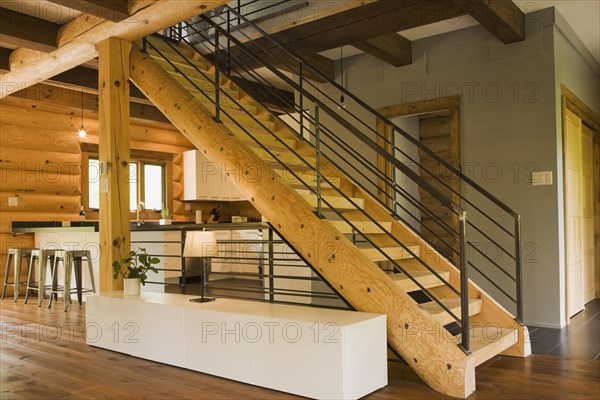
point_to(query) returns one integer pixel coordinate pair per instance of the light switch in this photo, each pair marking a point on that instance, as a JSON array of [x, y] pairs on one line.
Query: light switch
[[541, 178], [13, 201]]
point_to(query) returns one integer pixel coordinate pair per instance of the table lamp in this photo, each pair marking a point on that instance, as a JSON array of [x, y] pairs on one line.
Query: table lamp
[[201, 244]]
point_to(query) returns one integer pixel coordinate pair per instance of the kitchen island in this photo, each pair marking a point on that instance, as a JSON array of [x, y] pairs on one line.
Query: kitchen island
[[162, 241]]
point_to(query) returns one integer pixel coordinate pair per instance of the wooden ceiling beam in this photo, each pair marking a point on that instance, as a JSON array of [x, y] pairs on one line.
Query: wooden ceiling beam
[[111, 10], [502, 18], [22, 30], [45, 96], [154, 17], [78, 77], [392, 48], [359, 24]]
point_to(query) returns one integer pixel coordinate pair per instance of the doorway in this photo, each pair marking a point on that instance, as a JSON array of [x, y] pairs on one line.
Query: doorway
[[581, 202], [436, 124]]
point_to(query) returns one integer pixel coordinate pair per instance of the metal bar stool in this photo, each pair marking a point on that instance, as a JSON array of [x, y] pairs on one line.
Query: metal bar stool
[[15, 256], [39, 256], [71, 260]]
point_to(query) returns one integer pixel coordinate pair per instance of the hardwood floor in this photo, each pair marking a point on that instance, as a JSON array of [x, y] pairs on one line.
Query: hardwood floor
[[579, 340], [43, 355]]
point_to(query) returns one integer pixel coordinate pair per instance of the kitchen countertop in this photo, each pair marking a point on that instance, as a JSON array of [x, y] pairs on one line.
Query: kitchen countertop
[[93, 226]]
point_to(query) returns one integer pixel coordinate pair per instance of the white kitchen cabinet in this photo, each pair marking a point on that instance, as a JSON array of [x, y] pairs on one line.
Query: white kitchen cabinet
[[206, 180], [218, 264], [250, 252]]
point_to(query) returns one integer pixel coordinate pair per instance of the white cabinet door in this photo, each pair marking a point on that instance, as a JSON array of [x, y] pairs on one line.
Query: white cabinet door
[[206, 180], [222, 265], [250, 252]]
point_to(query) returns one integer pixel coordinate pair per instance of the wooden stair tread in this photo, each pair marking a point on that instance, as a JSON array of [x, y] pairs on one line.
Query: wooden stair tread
[[242, 118], [487, 342], [335, 201], [425, 278], [287, 158], [178, 61], [366, 227], [270, 141], [395, 253], [453, 304], [307, 177]]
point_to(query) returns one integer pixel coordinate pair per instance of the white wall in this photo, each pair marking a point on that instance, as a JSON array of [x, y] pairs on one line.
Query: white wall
[[508, 129]]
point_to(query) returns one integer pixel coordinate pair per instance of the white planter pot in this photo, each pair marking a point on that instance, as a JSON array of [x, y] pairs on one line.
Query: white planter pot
[[164, 221], [131, 287]]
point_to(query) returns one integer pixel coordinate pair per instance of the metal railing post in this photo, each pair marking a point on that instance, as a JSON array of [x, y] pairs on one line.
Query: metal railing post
[[217, 79], [318, 162], [271, 267], [464, 284], [518, 269], [301, 100], [228, 43]]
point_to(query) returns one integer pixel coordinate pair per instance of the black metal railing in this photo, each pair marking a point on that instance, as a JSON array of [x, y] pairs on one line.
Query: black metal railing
[[342, 135], [254, 263]]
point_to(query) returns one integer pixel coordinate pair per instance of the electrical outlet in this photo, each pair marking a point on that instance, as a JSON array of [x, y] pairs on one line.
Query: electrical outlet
[[188, 207], [541, 178], [13, 201]]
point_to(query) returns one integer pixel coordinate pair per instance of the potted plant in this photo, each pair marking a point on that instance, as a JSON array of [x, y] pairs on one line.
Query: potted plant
[[165, 217], [134, 269]]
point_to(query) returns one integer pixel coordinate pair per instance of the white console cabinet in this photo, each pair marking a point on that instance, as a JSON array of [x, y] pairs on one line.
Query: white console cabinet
[[311, 352]]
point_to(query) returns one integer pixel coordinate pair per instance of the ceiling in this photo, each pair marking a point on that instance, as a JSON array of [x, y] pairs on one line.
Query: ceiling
[[582, 15]]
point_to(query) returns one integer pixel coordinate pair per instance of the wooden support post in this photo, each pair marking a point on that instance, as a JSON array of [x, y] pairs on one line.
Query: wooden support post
[[114, 153]]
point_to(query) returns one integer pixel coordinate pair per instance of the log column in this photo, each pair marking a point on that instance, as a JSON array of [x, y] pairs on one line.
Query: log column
[[113, 91]]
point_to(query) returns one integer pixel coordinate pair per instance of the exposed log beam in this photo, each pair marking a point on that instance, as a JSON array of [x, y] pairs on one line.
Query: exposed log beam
[[392, 48], [112, 10], [502, 18], [21, 30], [115, 237], [156, 16], [52, 97], [4, 55], [358, 24], [78, 77]]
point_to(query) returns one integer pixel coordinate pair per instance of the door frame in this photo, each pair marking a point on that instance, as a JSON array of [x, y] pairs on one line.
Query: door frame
[[570, 101], [384, 137]]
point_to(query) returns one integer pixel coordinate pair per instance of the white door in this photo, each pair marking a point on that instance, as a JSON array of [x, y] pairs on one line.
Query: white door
[[579, 213]]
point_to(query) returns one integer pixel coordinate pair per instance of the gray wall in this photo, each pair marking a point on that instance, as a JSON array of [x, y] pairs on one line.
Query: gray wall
[[508, 129]]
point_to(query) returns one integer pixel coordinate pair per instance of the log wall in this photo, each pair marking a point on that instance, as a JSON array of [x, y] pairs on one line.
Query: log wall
[[40, 164]]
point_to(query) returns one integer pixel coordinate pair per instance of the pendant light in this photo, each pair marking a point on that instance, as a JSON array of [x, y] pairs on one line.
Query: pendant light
[[82, 131], [342, 99]]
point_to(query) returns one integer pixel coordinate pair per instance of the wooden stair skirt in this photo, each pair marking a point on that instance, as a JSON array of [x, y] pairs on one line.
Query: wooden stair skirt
[[353, 272]]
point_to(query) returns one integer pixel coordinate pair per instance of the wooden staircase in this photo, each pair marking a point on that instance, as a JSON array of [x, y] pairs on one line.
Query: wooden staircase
[[416, 331]]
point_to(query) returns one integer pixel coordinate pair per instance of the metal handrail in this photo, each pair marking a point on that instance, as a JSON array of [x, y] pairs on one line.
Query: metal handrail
[[441, 161], [463, 223], [464, 322]]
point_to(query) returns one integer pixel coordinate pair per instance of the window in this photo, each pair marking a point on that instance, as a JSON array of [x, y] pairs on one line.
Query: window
[[146, 184]]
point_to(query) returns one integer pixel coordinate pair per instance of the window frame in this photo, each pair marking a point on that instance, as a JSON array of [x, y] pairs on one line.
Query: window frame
[[142, 158]]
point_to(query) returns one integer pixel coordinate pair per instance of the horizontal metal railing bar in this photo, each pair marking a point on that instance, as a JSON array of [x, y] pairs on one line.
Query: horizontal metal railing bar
[[389, 123], [372, 243], [384, 253], [471, 245], [384, 204], [417, 179], [340, 143], [493, 283]]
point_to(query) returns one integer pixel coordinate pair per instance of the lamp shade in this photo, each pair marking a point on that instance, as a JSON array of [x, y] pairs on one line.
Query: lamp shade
[[200, 244]]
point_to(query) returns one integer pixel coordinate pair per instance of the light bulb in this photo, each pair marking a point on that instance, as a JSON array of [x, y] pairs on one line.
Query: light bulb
[[82, 132]]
